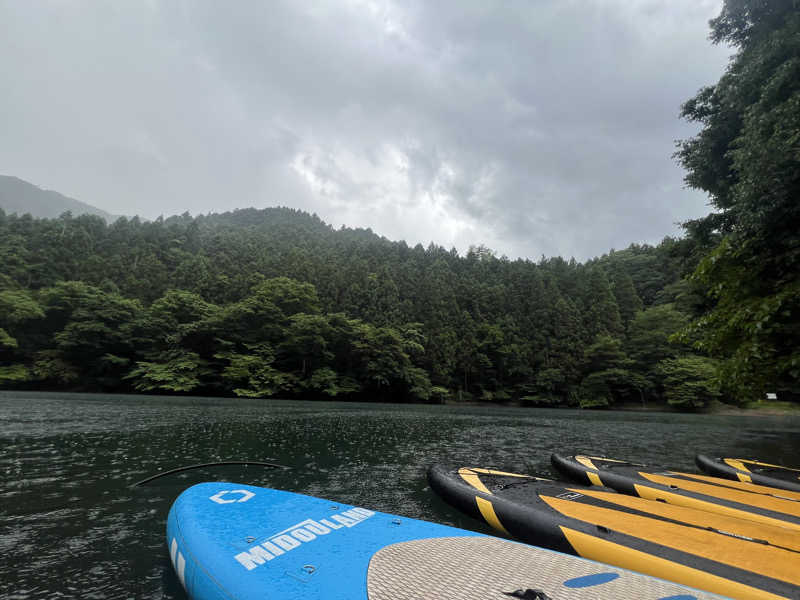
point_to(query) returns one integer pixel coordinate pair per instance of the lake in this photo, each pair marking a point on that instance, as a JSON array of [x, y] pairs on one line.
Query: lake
[[71, 527]]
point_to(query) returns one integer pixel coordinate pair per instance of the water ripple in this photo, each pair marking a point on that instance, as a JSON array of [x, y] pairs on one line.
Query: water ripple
[[70, 527]]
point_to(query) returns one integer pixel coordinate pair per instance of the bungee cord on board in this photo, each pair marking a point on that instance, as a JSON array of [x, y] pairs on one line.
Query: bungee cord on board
[[244, 463]]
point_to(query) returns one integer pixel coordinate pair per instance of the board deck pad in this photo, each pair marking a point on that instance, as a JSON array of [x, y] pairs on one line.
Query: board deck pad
[[751, 471], [435, 568], [242, 542], [693, 547], [743, 500]]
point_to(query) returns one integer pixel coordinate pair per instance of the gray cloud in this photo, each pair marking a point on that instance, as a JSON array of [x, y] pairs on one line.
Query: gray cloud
[[534, 128]]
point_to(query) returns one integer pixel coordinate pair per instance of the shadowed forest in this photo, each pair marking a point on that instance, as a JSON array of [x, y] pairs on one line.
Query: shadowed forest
[[275, 302]]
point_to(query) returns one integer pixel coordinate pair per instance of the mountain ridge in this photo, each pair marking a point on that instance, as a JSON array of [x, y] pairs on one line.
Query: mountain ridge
[[22, 197]]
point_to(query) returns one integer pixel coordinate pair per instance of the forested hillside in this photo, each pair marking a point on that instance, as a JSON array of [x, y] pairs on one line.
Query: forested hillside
[[275, 302]]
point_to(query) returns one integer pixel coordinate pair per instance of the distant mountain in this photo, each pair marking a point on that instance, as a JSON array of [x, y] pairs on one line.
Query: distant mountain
[[21, 197]]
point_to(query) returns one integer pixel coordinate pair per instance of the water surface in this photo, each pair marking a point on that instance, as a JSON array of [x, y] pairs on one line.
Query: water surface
[[70, 527]]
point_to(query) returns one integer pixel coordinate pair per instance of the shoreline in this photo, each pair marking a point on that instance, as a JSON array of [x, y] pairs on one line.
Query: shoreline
[[758, 412], [759, 409]]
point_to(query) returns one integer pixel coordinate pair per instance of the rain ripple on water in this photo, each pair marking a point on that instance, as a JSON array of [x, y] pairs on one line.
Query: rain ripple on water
[[71, 527]]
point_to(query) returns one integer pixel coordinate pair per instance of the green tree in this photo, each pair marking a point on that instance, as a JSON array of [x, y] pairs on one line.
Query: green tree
[[251, 374], [558, 376], [608, 377], [305, 344], [176, 371], [649, 336], [328, 382], [746, 157], [384, 367], [177, 335], [289, 295], [17, 309], [689, 381], [470, 360], [602, 312], [93, 333], [627, 299], [381, 299]]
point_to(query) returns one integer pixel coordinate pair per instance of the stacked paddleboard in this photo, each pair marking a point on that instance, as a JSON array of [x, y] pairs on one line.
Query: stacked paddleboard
[[749, 501], [231, 541], [751, 471], [737, 539]]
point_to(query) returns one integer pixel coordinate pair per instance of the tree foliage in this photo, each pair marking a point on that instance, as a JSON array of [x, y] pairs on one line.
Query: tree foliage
[[274, 302], [689, 381], [747, 158]]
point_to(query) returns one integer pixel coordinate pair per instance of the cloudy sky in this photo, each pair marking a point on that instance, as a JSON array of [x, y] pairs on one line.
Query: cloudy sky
[[532, 127]]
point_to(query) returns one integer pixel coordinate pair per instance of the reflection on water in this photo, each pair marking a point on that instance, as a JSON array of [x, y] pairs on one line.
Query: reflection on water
[[70, 527]]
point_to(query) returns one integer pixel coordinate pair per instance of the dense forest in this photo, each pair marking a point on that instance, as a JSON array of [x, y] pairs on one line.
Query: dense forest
[[275, 302]]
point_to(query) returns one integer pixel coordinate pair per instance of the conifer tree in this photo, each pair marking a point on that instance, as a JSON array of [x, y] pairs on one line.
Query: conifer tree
[[627, 299], [602, 313]]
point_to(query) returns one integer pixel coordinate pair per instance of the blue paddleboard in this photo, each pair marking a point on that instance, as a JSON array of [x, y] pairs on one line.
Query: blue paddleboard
[[233, 541]]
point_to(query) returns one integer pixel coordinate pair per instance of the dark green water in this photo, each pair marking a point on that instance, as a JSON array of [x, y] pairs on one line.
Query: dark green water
[[71, 528]]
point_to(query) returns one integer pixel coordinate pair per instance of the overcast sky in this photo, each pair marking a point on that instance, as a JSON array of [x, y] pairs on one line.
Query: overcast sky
[[532, 127]]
